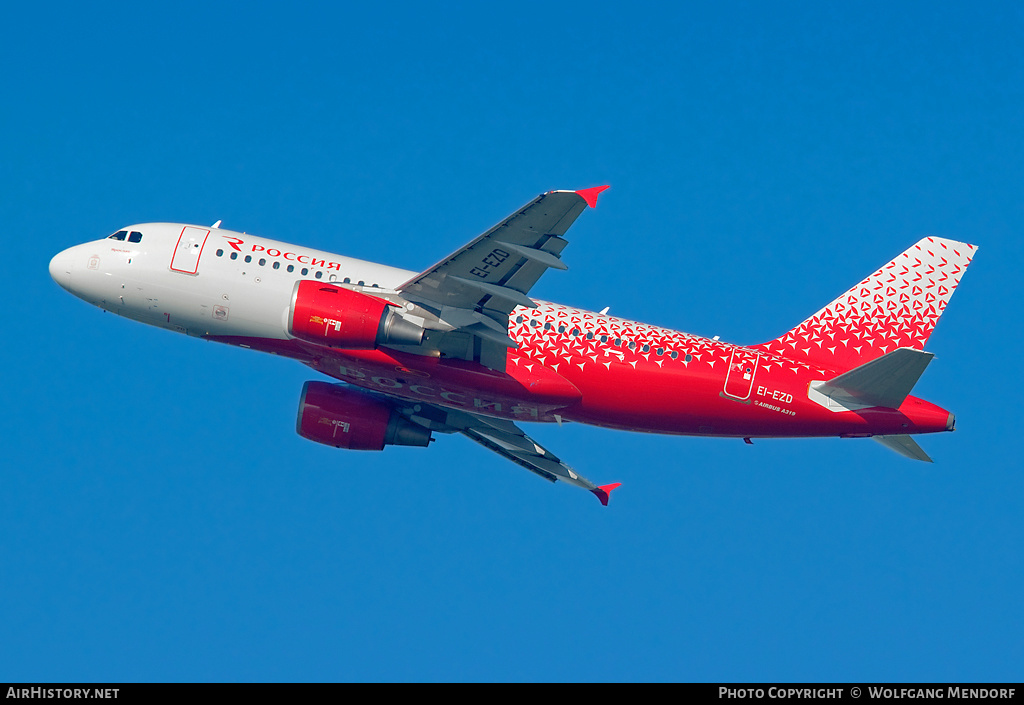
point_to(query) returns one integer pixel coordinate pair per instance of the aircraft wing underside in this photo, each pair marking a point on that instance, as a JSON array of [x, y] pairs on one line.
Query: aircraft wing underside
[[507, 440], [476, 287]]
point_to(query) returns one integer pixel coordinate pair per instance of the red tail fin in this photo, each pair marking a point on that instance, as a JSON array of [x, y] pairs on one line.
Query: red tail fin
[[896, 307]]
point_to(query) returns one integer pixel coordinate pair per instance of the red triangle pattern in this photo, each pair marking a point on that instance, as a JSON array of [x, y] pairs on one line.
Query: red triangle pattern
[[897, 306]]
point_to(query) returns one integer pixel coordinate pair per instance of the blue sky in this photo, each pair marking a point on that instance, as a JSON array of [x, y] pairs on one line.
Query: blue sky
[[161, 521]]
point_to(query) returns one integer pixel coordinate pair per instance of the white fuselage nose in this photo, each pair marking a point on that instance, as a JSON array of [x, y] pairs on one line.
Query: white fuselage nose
[[201, 280], [85, 271], [127, 274], [60, 268]]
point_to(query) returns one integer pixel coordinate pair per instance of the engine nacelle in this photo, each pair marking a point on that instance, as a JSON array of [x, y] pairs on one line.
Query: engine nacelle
[[346, 418], [332, 315]]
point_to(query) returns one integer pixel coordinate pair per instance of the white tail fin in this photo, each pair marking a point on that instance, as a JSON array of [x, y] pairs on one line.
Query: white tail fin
[[896, 307]]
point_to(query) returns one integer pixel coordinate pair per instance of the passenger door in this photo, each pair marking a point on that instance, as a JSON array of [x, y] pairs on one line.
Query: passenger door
[[739, 380]]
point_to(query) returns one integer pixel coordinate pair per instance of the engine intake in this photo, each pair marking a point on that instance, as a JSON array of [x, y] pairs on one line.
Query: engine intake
[[332, 315], [347, 418]]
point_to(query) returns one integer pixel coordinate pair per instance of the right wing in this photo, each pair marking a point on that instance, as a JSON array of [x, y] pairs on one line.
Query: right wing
[[476, 287]]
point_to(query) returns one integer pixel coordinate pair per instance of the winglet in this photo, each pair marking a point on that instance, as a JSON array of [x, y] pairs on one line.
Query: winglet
[[604, 491], [590, 195]]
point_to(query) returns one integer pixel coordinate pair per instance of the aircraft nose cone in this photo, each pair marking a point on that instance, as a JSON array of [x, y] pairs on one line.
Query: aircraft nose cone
[[60, 269]]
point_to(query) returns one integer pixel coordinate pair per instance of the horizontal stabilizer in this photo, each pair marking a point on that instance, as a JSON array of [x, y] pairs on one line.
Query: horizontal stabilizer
[[885, 381], [905, 446]]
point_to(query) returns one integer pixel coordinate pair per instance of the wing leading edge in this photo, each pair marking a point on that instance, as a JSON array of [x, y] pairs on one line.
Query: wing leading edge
[[507, 440], [476, 287]]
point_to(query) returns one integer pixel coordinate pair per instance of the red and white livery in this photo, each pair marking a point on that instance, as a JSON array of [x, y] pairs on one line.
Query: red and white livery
[[462, 347]]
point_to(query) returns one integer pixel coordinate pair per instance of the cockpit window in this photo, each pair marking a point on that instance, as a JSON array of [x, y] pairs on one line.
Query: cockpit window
[[119, 235], [134, 236]]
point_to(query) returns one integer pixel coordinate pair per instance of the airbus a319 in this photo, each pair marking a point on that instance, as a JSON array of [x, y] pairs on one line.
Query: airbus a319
[[462, 347]]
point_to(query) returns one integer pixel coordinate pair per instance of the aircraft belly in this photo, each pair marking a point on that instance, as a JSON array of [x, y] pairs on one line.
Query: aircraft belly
[[520, 394]]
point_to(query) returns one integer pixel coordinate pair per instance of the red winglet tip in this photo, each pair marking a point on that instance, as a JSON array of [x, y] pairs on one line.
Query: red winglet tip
[[604, 492], [590, 195]]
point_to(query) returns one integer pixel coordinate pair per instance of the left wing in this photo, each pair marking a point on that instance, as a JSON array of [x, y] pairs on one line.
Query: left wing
[[476, 287], [507, 440]]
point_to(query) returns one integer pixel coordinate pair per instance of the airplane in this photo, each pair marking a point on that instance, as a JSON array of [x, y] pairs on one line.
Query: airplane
[[462, 347]]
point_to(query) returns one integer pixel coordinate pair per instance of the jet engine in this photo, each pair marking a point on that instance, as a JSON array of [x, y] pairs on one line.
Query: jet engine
[[346, 418], [332, 315]]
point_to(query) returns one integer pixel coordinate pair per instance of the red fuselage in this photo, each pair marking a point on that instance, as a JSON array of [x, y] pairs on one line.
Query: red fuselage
[[582, 366]]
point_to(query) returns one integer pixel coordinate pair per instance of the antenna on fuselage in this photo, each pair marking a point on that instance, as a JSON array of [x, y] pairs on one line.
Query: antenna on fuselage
[[605, 310], [216, 225]]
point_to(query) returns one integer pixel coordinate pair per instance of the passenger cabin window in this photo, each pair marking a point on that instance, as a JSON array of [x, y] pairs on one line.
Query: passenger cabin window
[[119, 235]]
